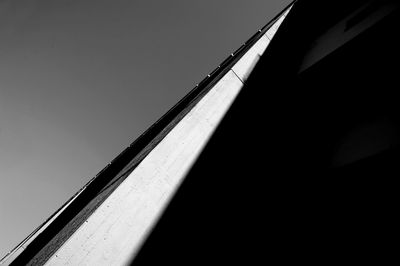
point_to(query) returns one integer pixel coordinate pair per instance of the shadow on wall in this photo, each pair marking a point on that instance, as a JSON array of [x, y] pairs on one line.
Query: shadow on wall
[[366, 139]]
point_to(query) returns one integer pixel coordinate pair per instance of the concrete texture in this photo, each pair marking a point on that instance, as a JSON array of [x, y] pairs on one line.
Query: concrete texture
[[113, 234], [246, 64], [112, 227], [115, 231], [81, 80]]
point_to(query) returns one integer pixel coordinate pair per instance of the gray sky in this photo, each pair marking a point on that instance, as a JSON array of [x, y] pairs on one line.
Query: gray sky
[[81, 79]]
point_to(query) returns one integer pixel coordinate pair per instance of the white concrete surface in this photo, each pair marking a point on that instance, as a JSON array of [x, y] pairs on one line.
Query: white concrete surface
[[116, 230], [274, 28], [245, 65]]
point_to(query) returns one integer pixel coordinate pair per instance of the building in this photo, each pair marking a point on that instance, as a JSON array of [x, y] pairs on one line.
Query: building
[[283, 155]]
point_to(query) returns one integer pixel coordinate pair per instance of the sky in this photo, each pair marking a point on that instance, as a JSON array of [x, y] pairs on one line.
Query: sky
[[81, 79]]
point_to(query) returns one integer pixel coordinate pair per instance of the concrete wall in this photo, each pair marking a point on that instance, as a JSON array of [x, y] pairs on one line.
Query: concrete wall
[[115, 232]]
